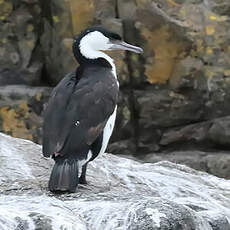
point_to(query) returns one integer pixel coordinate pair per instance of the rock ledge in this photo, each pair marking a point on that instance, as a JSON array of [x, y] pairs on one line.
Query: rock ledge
[[121, 194]]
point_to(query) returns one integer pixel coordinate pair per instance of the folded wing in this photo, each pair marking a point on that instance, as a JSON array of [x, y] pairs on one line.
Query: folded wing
[[77, 112]]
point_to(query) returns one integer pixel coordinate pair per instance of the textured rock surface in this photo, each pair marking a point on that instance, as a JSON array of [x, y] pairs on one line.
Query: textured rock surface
[[20, 54], [174, 97], [186, 62], [217, 163], [121, 194], [219, 131], [66, 19], [20, 110]]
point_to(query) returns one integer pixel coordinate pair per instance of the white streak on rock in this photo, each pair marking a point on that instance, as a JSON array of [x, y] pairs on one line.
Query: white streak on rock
[[12, 162], [121, 193], [155, 216], [29, 208]]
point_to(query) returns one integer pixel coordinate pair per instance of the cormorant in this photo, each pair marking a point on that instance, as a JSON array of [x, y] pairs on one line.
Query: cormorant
[[80, 115]]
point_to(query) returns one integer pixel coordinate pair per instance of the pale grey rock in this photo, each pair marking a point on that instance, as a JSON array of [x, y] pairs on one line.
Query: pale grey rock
[[121, 194]]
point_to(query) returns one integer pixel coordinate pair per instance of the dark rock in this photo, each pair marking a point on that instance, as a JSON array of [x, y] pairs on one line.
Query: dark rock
[[216, 163], [165, 215], [190, 135], [20, 56], [57, 66], [194, 159], [21, 110], [164, 108], [127, 146], [41, 221], [220, 7], [21, 224], [219, 132], [221, 222], [122, 140], [186, 68], [211, 134], [126, 6], [105, 9], [68, 20], [120, 57], [219, 165], [123, 126], [169, 117], [159, 109]]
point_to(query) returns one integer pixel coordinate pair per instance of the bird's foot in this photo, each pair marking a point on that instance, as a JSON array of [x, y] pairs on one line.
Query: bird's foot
[[82, 180]]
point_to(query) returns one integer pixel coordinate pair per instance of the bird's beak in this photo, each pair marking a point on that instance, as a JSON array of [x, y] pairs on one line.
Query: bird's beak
[[121, 45]]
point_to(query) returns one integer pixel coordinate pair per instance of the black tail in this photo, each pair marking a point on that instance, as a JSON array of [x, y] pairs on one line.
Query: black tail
[[64, 176]]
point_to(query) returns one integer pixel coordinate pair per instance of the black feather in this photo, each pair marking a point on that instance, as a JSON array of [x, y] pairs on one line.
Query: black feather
[[64, 176]]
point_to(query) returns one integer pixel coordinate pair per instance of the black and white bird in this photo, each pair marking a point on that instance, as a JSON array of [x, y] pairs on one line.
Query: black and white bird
[[80, 115]]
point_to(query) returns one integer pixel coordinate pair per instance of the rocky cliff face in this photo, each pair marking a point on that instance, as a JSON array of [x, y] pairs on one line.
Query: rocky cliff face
[[121, 194], [174, 97]]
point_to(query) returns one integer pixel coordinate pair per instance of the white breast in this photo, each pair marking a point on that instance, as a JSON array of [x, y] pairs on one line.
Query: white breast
[[106, 136], [108, 131], [83, 161]]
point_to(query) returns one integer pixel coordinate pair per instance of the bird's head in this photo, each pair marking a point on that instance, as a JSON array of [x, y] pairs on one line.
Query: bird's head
[[88, 46]]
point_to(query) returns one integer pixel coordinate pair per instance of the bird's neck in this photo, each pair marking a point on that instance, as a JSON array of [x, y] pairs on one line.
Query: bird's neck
[[94, 56]]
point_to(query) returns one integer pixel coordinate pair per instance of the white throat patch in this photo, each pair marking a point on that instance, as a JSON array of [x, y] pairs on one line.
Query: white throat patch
[[91, 45]]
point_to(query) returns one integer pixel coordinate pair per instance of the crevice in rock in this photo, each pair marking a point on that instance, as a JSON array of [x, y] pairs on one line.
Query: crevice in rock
[[129, 87], [45, 80], [46, 10], [116, 9], [131, 98], [46, 14]]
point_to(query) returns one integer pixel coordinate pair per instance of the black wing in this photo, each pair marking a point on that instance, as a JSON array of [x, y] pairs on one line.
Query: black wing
[[77, 112]]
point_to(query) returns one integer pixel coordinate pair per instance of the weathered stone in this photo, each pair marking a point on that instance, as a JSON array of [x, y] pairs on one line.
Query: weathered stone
[[6, 8], [160, 109], [121, 193], [123, 126], [219, 132], [20, 111], [171, 95], [216, 163], [221, 222], [164, 108], [105, 9], [69, 18], [120, 57], [127, 9], [186, 48], [219, 165], [209, 134], [171, 31], [127, 146], [134, 61], [221, 7], [57, 38], [189, 135], [122, 140], [164, 41], [20, 56]]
